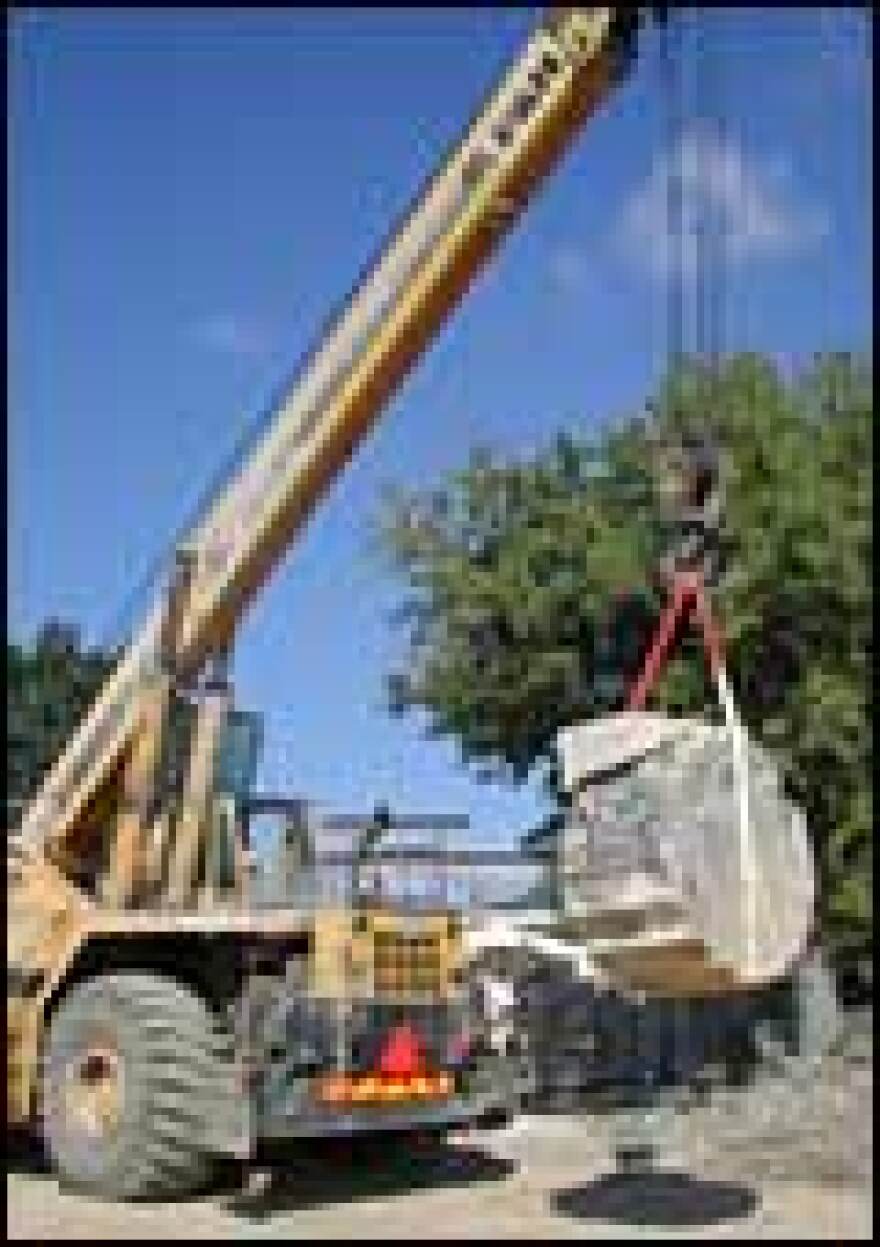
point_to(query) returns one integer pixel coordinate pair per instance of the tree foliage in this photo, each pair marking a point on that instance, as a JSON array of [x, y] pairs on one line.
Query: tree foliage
[[50, 683], [531, 589]]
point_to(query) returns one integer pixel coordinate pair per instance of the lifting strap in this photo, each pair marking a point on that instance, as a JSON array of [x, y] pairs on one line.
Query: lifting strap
[[689, 597]]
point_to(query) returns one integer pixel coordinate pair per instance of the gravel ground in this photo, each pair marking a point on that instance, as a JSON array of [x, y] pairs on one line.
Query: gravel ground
[[769, 1162]]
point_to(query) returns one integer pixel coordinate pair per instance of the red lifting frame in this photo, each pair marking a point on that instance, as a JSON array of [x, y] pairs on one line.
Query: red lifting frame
[[688, 595]]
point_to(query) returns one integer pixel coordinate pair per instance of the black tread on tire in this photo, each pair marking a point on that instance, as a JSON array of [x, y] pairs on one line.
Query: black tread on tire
[[175, 1059]]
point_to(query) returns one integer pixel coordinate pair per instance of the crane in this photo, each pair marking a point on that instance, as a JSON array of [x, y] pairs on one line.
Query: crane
[[156, 1018], [125, 965]]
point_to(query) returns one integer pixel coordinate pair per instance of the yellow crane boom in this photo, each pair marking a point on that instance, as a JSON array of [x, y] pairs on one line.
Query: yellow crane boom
[[562, 74]]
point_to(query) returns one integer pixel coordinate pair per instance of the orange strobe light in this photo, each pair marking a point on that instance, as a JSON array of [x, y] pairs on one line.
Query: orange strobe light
[[350, 1089]]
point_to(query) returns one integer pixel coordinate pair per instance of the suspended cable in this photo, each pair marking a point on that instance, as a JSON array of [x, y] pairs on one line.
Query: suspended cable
[[672, 91]]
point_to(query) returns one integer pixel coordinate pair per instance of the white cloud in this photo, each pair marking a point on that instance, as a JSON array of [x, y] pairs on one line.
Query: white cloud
[[746, 207], [230, 334]]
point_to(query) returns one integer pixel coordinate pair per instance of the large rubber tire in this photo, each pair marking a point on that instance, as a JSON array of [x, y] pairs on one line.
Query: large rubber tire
[[174, 1062]]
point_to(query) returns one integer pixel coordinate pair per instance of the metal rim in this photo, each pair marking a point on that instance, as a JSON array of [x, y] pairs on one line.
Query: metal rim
[[92, 1089]]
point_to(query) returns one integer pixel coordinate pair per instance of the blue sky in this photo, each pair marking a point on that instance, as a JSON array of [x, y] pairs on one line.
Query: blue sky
[[191, 190]]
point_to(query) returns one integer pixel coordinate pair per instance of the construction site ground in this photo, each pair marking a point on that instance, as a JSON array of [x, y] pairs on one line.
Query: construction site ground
[[788, 1157]]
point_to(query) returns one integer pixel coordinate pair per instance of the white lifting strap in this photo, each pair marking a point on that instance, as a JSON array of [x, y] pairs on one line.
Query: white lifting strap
[[739, 750], [739, 745]]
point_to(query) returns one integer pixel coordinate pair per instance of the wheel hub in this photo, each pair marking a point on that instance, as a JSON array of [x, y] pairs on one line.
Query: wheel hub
[[93, 1090]]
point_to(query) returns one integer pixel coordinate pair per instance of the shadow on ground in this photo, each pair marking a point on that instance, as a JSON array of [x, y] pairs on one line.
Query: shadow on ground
[[657, 1198], [323, 1173]]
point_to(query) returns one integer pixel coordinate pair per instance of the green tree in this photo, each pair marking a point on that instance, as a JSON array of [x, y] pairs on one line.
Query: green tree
[[531, 589], [51, 682]]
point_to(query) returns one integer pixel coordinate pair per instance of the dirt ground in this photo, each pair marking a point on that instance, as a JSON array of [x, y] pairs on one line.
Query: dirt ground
[[549, 1176]]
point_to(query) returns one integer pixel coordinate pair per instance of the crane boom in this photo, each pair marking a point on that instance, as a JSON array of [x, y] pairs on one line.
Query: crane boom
[[564, 71]]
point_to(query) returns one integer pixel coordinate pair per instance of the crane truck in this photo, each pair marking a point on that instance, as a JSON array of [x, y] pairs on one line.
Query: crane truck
[[134, 950]]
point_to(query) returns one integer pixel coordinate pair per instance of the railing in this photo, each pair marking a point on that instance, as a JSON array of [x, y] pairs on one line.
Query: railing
[[306, 869]]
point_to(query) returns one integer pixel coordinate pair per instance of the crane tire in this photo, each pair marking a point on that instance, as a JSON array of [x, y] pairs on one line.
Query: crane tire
[[134, 1071]]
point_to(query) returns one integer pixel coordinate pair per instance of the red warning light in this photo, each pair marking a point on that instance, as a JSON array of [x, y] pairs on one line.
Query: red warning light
[[402, 1055]]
